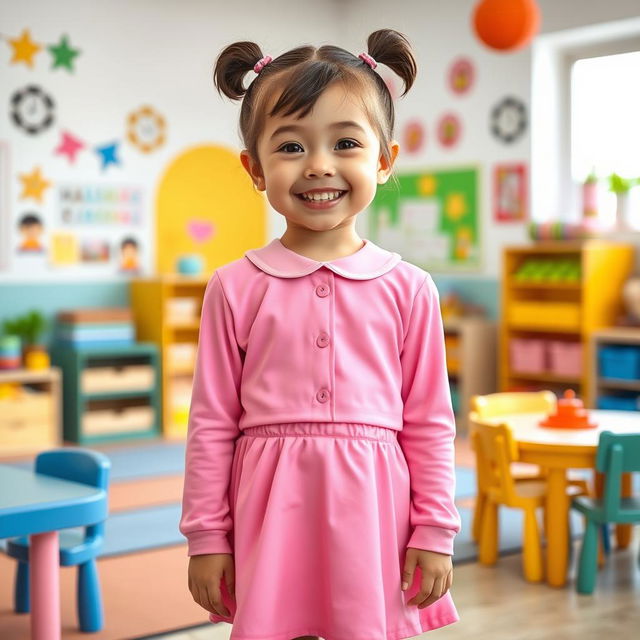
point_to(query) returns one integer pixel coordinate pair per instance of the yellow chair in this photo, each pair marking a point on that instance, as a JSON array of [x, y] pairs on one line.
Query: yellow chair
[[498, 404], [497, 450]]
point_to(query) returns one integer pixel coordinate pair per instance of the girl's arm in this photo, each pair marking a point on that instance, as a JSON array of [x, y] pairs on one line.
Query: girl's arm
[[427, 436], [213, 428]]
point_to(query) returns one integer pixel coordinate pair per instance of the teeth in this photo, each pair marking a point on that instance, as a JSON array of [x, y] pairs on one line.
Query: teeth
[[326, 195]]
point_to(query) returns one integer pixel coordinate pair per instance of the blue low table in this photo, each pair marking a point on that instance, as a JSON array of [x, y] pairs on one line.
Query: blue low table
[[39, 506]]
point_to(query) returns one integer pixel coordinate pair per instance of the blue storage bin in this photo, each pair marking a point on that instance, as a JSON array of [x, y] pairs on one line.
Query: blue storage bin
[[620, 362], [619, 403]]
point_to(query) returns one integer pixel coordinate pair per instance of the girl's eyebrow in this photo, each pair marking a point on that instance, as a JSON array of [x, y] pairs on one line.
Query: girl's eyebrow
[[294, 128]]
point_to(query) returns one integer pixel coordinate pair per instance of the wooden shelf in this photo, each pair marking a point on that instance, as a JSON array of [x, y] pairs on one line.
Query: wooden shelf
[[151, 300], [604, 265], [31, 421]]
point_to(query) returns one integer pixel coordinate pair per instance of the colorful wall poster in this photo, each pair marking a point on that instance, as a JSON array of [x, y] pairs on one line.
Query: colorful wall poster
[[431, 219], [510, 192]]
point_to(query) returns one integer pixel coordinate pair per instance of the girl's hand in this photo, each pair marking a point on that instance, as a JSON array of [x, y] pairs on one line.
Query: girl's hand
[[437, 575], [205, 573]]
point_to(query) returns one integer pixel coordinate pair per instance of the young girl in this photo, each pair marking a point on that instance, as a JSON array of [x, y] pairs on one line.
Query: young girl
[[318, 498]]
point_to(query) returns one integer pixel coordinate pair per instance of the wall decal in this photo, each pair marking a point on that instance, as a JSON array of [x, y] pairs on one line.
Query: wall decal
[[24, 48], [146, 129], [461, 75], [31, 230], [107, 154], [69, 146], [414, 136], [32, 109], [449, 130], [509, 119], [63, 54], [33, 185]]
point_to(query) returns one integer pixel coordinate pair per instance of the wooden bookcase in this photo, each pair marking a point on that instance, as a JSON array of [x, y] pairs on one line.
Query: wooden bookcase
[[30, 420], [471, 361], [167, 312], [601, 385], [109, 393], [564, 312]]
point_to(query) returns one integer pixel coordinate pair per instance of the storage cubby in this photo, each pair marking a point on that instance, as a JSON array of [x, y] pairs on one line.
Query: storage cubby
[[616, 368], [30, 411], [167, 312], [110, 393], [554, 296]]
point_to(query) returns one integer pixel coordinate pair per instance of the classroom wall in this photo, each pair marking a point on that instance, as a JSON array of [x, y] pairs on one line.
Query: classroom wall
[[161, 52]]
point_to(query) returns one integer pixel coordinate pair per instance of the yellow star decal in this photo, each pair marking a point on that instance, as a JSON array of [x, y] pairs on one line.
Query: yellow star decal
[[33, 185], [24, 48]]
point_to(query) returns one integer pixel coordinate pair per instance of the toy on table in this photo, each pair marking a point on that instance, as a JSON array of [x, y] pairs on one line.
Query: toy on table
[[453, 306], [570, 414]]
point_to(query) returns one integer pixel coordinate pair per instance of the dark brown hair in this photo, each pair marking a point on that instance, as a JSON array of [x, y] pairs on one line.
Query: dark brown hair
[[302, 74]]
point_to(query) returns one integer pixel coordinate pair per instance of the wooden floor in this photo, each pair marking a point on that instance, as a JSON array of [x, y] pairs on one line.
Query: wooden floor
[[495, 603]]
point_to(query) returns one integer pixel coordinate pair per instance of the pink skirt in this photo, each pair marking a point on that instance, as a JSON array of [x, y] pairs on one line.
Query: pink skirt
[[321, 524]]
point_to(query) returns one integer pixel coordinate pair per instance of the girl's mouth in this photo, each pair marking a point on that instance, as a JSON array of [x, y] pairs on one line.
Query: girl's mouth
[[321, 204]]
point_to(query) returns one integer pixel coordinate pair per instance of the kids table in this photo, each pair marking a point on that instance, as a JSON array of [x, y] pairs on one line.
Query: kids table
[[559, 450], [39, 506]]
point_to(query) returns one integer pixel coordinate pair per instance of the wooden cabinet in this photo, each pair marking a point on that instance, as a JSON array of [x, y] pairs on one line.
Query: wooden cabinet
[[110, 393], [547, 320], [30, 411], [471, 362], [167, 312]]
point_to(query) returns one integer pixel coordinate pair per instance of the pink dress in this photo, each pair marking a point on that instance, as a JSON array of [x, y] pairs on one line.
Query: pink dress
[[320, 443]]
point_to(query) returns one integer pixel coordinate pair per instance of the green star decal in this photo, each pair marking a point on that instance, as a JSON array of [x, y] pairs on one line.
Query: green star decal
[[63, 54]]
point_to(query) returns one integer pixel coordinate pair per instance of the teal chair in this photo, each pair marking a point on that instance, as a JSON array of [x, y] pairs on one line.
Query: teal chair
[[77, 547], [617, 454]]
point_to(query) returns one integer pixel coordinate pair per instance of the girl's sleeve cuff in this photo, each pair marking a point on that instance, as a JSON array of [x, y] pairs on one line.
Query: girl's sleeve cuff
[[432, 539], [203, 542]]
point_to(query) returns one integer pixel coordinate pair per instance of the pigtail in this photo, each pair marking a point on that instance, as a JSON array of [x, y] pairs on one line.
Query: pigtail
[[232, 65], [392, 49]]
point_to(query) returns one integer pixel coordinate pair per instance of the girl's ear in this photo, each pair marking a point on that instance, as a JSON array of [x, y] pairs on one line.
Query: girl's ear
[[384, 167], [253, 169]]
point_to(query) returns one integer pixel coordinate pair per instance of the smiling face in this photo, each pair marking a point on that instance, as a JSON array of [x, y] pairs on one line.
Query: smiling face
[[332, 150]]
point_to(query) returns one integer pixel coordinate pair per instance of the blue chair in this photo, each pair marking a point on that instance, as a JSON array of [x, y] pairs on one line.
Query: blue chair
[[77, 546], [616, 454]]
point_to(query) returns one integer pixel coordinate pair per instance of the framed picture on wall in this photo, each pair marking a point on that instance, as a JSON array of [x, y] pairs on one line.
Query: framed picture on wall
[[510, 192]]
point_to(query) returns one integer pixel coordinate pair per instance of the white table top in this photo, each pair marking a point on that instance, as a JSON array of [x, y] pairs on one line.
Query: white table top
[[526, 428]]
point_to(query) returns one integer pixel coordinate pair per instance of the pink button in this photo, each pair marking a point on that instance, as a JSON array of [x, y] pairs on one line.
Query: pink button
[[322, 395], [322, 290], [323, 339]]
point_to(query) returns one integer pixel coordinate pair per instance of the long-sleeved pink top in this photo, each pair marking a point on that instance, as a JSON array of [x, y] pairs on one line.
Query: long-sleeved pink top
[[284, 338]]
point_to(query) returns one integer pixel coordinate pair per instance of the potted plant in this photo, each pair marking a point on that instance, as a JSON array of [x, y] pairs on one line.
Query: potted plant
[[29, 328], [621, 186]]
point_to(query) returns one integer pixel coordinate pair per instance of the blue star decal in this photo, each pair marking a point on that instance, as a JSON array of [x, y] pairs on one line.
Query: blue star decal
[[108, 153]]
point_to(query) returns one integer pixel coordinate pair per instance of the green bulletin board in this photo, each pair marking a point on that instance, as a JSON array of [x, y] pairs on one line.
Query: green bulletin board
[[431, 219]]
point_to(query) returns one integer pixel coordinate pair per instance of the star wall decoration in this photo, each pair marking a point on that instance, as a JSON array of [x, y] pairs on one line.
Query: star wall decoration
[[69, 146], [108, 154], [24, 48], [33, 185], [63, 54]]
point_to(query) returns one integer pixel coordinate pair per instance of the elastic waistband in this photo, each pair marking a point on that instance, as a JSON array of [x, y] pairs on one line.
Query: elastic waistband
[[324, 429]]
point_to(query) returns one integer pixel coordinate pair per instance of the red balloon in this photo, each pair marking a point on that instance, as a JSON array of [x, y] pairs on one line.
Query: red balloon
[[506, 25]]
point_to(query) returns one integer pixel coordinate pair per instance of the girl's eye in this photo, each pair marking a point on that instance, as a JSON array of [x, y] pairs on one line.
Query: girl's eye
[[350, 142], [289, 144]]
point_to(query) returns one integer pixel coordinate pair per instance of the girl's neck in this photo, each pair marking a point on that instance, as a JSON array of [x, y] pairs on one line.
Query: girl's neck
[[322, 247]]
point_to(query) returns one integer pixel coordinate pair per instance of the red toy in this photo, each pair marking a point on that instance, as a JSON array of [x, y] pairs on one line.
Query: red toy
[[570, 414]]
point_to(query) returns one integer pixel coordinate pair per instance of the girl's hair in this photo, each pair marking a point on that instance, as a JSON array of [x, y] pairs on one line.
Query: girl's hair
[[302, 74]]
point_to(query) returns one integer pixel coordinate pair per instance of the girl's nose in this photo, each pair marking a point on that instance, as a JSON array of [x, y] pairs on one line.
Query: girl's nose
[[319, 165]]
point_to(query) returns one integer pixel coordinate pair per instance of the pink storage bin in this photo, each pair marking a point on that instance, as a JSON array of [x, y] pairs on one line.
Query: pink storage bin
[[565, 358], [527, 355]]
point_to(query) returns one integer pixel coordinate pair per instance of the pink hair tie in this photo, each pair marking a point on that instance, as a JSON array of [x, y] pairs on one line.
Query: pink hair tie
[[262, 63], [368, 59]]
